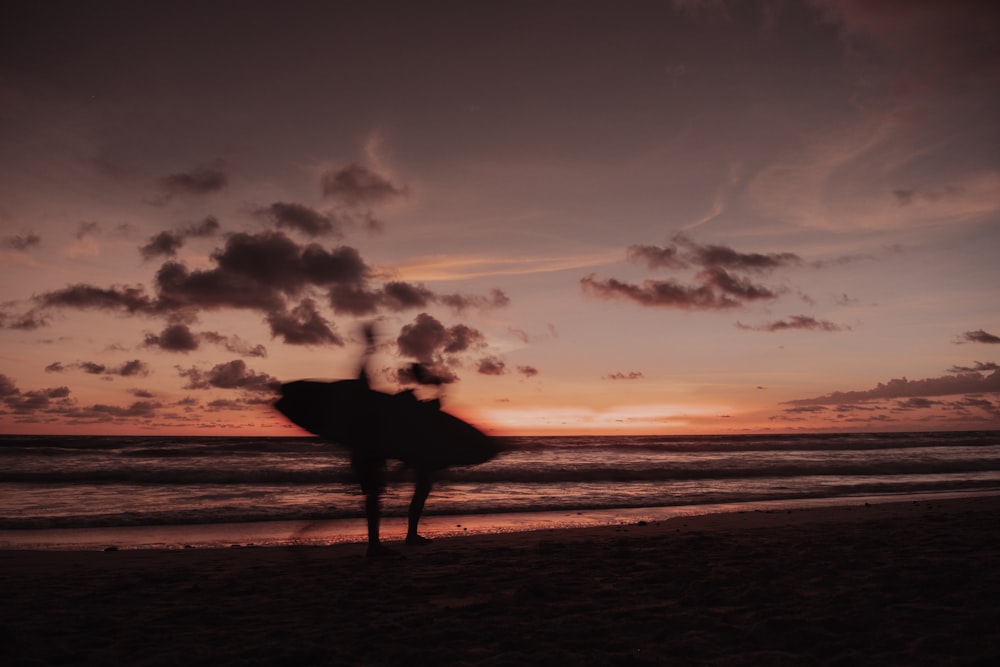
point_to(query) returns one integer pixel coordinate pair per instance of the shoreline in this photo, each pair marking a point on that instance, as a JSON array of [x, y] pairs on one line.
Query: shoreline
[[325, 533], [913, 582]]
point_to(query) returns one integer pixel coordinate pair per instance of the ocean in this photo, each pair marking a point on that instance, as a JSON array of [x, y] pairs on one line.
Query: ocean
[[172, 492]]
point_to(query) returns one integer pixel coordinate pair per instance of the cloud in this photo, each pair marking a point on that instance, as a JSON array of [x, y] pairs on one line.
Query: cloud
[[302, 218], [398, 296], [174, 338], [718, 284], [303, 325], [28, 402], [230, 375], [200, 181], [121, 298], [28, 321], [916, 403], [258, 272], [631, 375], [978, 336], [264, 271], [491, 366], [980, 367], [949, 385], [799, 322], [434, 345], [178, 337], [355, 185], [527, 371], [132, 368], [162, 244], [7, 387], [656, 257], [234, 344], [460, 302], [659, 293], [21, 242], [167, 243]]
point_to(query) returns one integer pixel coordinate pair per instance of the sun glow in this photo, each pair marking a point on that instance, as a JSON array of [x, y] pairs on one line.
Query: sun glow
[[633, 419]]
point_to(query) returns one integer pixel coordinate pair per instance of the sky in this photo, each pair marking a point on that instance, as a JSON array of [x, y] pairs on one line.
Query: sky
[[584, 217]]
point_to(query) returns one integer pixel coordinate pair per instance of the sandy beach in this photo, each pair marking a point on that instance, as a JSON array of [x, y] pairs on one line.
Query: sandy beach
[[900, 583]]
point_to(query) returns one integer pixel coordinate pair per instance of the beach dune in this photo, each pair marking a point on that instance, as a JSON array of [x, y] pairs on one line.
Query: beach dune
[[900, 583]]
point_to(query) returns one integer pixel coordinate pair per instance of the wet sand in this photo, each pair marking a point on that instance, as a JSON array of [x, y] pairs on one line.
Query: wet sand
[[903, 583]]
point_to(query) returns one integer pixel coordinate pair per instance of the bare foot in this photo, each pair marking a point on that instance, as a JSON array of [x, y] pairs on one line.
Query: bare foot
[[418, 540]]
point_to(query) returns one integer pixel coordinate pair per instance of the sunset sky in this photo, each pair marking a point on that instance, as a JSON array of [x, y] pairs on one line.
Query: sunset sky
[[588, 217]]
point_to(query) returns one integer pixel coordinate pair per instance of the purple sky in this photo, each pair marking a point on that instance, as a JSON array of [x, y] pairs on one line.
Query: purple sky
[[586, 216]]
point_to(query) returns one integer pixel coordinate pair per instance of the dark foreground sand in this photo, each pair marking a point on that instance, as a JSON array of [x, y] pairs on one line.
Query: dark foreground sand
[[900, 584]]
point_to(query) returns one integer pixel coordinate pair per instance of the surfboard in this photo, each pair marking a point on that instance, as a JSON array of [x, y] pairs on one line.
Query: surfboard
[[391, 426]]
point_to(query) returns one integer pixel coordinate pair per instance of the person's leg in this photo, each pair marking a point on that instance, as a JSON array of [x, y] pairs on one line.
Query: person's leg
[[371, 473], [421, 490]]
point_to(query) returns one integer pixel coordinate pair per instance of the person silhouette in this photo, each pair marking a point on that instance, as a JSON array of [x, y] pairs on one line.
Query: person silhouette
[[370, 465], [376, 426]]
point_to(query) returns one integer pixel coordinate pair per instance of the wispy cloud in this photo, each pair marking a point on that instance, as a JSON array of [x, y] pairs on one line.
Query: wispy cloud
[[799, 322]]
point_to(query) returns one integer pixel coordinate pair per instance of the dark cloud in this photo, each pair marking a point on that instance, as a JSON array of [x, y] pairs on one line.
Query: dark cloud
[[303, 325], [207, 227], [398, 296], [166, 244], [7, 387], [491, 366], [662, 293], [916, 403], [718, 280], [264, 272], [980, 367], [135, 367], [126, 299], [949, 385], [978, 336], [233, 344], [257, 271], [28, 402], [461, 338], [174, 338], [719, 256], [230, 375], [138, 409], [429, 341], [91, 367], [460, 302], [656, 257], [21, 242], [401, 296], [163, 244], [302, 218], [631, 375], [28, 321], [201, 180], [797, 322], [527, 371], [355, 185]]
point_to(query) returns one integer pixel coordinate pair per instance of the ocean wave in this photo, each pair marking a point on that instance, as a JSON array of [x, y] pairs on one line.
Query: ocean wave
[[486, 474], [493, 506]]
